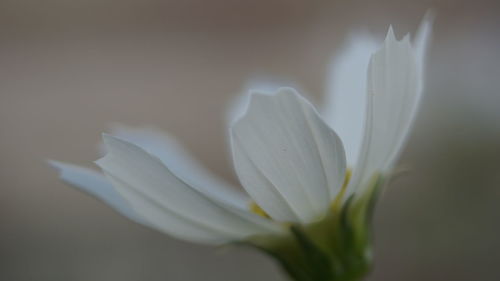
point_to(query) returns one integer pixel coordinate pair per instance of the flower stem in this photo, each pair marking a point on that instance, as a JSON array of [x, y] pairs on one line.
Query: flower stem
[[336, 248]]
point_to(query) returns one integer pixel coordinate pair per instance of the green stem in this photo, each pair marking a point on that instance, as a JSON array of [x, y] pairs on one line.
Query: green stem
[[337, 248]]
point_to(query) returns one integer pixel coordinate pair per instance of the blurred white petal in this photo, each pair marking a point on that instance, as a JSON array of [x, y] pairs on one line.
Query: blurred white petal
[[421, 43], [167, 221], [181, 163], [95, 184], [393, 96], [169, 203], [287, 158], [345, 100]]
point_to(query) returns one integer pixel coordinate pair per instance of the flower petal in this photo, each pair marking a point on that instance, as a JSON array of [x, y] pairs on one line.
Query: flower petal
[[95, 184], [166, 221], [101, 187], [181, 163], [169, 203], [393, 97], [421, 43], [289, 161], [345, 100], [238, 104]]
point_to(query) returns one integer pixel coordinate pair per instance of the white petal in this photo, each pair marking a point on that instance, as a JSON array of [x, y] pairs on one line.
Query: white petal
[[265, 85], [421, 43], [345, 100], [181, 163], [289, 161], [95, 184], [162, 198], [393, 97], [164, 220]]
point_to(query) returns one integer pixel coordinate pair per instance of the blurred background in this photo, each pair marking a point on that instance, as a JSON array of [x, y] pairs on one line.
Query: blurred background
[[70, 68]]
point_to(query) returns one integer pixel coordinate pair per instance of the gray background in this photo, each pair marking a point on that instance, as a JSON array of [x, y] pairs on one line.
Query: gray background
[[69, 68]]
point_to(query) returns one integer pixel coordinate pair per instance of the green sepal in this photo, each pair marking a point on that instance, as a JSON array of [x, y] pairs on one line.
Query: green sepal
[[337, 248]]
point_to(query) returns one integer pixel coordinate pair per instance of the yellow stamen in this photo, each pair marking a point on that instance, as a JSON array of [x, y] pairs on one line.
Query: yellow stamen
[[254, 208], [337, 202]]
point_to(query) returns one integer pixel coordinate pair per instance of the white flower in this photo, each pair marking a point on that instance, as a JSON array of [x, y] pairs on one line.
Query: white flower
[[291, 163]]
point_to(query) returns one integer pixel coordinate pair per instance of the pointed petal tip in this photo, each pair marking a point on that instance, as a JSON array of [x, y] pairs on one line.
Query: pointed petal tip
[[53, 163], [107, 141], [391, 37], [99, 161], [429, 16], [110, 140], [56, 165], [59, 166], [392, 42], [406, 41], [423, 35], [390, 34]]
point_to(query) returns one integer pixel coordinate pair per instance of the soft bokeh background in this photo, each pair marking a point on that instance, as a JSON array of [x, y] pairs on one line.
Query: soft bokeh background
[[70, 68]]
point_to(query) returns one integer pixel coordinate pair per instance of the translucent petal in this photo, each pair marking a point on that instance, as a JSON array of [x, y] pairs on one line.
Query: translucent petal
[[169, 203], [289, 161], [345, 100], [181, 163], [393, 96], [169, 222], [421, 44], [95, 184]]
